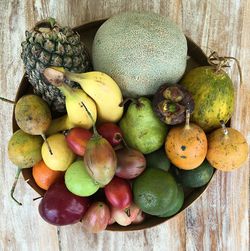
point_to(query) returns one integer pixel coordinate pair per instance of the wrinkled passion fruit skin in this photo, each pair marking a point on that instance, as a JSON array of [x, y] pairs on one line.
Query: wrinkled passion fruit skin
[[170, 103]]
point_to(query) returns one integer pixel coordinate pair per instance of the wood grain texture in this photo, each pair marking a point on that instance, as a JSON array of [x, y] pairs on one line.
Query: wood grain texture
[[219, 220]]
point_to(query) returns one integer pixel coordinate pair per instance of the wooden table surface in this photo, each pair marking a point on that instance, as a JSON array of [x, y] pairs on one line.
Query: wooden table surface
[[219, 220]]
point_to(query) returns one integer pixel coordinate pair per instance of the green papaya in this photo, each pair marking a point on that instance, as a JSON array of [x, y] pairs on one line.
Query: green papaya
[[213, 94]]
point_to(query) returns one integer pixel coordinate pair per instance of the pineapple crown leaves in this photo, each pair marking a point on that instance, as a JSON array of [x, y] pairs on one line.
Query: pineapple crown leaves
[[49, 30]]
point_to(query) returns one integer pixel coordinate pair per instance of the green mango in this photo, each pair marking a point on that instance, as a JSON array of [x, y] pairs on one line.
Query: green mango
[[142, 129]]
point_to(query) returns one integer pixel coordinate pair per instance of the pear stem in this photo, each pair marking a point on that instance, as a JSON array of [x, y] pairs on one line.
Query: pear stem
[[126, 100], [47, 143], [225, 131], [187, 125], [14, 186]]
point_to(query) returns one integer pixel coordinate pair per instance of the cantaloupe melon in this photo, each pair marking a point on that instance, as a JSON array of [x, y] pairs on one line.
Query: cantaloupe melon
[[140, 51]]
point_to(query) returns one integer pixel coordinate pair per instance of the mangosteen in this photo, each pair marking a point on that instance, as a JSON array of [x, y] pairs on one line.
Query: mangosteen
[[170, 103]]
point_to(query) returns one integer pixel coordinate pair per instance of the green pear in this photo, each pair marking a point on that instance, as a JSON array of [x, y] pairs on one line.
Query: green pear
[[78, 181], [142, 129]]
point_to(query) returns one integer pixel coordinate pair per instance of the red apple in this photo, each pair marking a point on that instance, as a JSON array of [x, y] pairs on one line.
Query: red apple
[[77, 139], [111, 132]]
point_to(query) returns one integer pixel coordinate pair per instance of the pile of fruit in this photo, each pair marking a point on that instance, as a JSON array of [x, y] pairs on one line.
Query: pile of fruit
[[122, 142]]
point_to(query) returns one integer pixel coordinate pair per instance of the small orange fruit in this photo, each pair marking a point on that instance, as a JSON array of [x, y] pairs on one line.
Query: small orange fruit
[[227, 149], [186, 145], [44, 176]]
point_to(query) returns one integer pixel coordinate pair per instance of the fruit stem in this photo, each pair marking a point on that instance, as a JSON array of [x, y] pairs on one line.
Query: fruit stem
[[55, 77], [47, 143], [37, 198], [225, 131], [91, 117], [127, 211], [221, 62], [7, 100], [126, 100], [14, 186], [125, 144], [73, 76], [187, 125]]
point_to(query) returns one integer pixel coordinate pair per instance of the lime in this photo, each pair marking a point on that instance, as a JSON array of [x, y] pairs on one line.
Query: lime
[[78, 181], [176, 204], [197, 177], [154, 191], [158, 159]]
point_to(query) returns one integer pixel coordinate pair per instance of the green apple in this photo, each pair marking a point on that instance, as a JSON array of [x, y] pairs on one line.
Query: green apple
[[78, 181]]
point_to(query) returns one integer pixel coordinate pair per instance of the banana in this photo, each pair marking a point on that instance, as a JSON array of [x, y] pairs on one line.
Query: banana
[[59, 124], [75, 99], [103, 90]]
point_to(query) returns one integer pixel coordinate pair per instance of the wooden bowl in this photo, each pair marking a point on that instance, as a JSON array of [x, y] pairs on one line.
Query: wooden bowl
[[87, 32]]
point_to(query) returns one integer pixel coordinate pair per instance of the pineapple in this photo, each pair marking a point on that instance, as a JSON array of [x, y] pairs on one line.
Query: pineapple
[[48, 44]]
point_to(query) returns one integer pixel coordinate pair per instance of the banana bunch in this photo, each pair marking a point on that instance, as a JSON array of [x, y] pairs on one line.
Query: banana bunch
[[99, 93]]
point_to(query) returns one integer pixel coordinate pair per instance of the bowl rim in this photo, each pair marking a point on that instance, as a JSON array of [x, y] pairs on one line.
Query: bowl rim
[[195, 53]]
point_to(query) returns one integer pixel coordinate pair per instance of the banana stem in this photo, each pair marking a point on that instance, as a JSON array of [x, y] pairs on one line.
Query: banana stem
[[14, 186], [54, 76], [47, 143], [73, 76]]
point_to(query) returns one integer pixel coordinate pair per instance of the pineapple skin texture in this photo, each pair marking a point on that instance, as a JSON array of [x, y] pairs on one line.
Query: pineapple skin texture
[[53, 46]]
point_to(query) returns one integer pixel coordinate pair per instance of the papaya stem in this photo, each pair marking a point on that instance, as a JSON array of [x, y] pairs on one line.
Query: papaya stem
[[47, 143], [14, 186], [225, 131], [187, 125], [219, 62], [239, 68], [7, 100]]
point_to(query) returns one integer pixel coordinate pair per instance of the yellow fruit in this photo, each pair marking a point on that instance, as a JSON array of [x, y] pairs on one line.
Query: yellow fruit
[[76, 111], [103, 90], [213, 95], [60, 124], [62, 156], [186, 145], [227, 149], [75, 99]]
